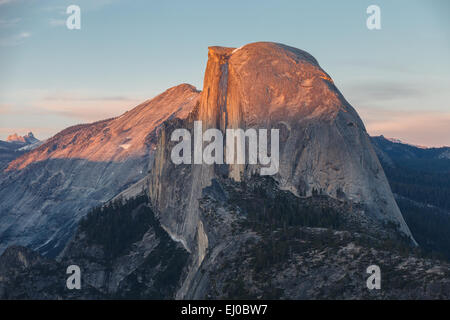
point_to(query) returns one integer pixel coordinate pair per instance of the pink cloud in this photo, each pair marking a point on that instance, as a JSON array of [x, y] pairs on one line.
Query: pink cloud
[[429, 128], [86, 108]]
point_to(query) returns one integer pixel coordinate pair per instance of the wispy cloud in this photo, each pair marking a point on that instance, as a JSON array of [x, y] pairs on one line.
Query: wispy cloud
[[46, 113], [57, 22], [422, 127], [2, 2], [7, 23], [64, 97], [60, 9], [413, 110], [5, 108], [14, 40], [86, 5], [383, 91], [85, 107]]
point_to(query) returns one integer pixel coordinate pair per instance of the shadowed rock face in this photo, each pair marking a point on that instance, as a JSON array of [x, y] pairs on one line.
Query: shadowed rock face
[[122, 252], [47, 190], [323, 143]]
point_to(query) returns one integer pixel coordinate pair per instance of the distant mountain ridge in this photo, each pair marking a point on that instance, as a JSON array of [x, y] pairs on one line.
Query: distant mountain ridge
[[420, 180], [27, 139], [397, 153], [15, 146], [396, 140]]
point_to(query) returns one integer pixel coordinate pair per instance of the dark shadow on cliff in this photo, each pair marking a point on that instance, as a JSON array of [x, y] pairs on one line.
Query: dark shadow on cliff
[[41, 204]]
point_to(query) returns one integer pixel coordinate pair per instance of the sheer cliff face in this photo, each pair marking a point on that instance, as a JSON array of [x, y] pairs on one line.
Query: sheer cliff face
[[323, 142], [47, 190]]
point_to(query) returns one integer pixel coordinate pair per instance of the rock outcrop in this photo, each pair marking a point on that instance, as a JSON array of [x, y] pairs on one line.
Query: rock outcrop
[[29, 138], [324, 146], [15, 146]]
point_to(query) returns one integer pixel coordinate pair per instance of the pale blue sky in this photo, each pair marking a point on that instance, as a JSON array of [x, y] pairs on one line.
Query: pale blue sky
[[397, 78]]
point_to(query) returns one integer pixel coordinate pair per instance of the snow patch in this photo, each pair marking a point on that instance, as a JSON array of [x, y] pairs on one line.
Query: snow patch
[[395, 140], [237, 49], [125, 146]]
